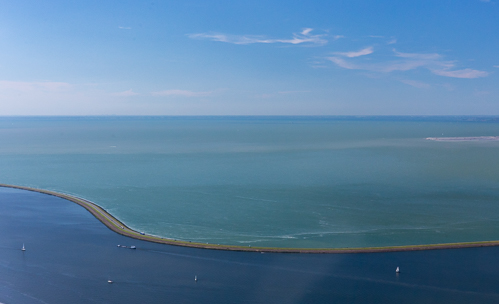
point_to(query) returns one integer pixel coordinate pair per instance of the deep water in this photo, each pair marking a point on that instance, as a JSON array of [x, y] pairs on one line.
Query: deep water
[[70, 256]]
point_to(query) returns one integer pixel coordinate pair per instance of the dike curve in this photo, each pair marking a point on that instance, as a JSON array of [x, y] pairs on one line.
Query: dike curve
[[119, 227]]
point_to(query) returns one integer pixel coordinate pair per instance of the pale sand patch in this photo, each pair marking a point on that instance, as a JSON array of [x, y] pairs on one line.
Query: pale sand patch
[[473, 138]]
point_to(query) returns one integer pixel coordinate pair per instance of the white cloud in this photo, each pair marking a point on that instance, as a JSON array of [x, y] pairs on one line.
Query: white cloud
[[124, 27], [382, 67], [304, 37], [496, 66], [363, 52], [125, 93], [404, 62], [342, 63], [465, 73], [33, 86], [424, 56], [183, 93], [393, 41]]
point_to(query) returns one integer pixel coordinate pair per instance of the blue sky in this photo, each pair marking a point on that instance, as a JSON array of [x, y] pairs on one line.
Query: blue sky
[[192, 57]]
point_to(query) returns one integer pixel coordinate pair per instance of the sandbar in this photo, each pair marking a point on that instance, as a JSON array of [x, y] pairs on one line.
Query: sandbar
[[472, 138]]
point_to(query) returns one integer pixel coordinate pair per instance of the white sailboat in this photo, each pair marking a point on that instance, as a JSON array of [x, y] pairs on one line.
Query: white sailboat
[[23, 249], [196, 278], [397, 270]]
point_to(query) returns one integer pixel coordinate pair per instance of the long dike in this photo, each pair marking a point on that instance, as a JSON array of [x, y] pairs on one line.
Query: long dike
[[119, 227]]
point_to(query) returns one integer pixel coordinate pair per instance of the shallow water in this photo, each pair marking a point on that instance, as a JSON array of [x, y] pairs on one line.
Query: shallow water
[[286, 182], [70, 256]]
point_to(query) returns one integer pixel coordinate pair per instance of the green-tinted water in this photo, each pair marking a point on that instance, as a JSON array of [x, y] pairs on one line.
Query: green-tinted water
[[287, 182]]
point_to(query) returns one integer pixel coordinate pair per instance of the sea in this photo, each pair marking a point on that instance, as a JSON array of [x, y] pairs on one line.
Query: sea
[[71, 257], [301, 182]]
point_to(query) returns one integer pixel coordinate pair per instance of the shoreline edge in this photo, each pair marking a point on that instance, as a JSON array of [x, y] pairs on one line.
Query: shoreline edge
[[119, 227]]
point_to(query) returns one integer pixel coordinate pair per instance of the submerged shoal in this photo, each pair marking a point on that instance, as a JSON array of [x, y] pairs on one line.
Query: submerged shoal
[[119, 227]]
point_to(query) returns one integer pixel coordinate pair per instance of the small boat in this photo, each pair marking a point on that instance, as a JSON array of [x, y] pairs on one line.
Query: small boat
[[23, 249], [133, 247], [119, 245], [195, 278], [397, 270], [110, 282]]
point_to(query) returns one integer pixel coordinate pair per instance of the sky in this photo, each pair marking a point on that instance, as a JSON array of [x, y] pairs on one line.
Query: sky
[[273, 57]]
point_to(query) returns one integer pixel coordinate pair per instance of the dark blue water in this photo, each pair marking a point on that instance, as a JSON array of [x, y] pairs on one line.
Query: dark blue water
[[70, 256]]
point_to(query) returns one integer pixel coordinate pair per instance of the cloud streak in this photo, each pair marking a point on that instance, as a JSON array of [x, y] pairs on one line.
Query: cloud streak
[[465, 73], [404, 62], [363, 52], [303, 37]]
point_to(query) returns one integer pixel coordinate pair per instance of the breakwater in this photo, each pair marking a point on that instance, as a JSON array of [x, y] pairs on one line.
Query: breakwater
[[119, 227]]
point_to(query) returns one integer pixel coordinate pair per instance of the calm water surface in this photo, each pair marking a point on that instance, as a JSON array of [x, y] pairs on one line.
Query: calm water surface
[[288, 182], [70, 256]]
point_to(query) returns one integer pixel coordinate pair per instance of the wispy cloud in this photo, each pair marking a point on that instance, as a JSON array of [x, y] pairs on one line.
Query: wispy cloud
[[33, 86], [125, 93], [124, 27], [496, 66], [465, 73], [363, 52], [404, 62], [382, 67], [183, 93], [419, 56], [344, 64], [303, 37]]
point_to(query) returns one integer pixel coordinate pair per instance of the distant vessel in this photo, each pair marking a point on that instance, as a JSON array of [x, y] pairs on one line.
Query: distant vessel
[[196, 278], [23, 249], [133, 247], [397, 270], [109, 281]]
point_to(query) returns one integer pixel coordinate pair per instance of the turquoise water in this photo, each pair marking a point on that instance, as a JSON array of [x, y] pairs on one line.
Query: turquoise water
[[286, 182]]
